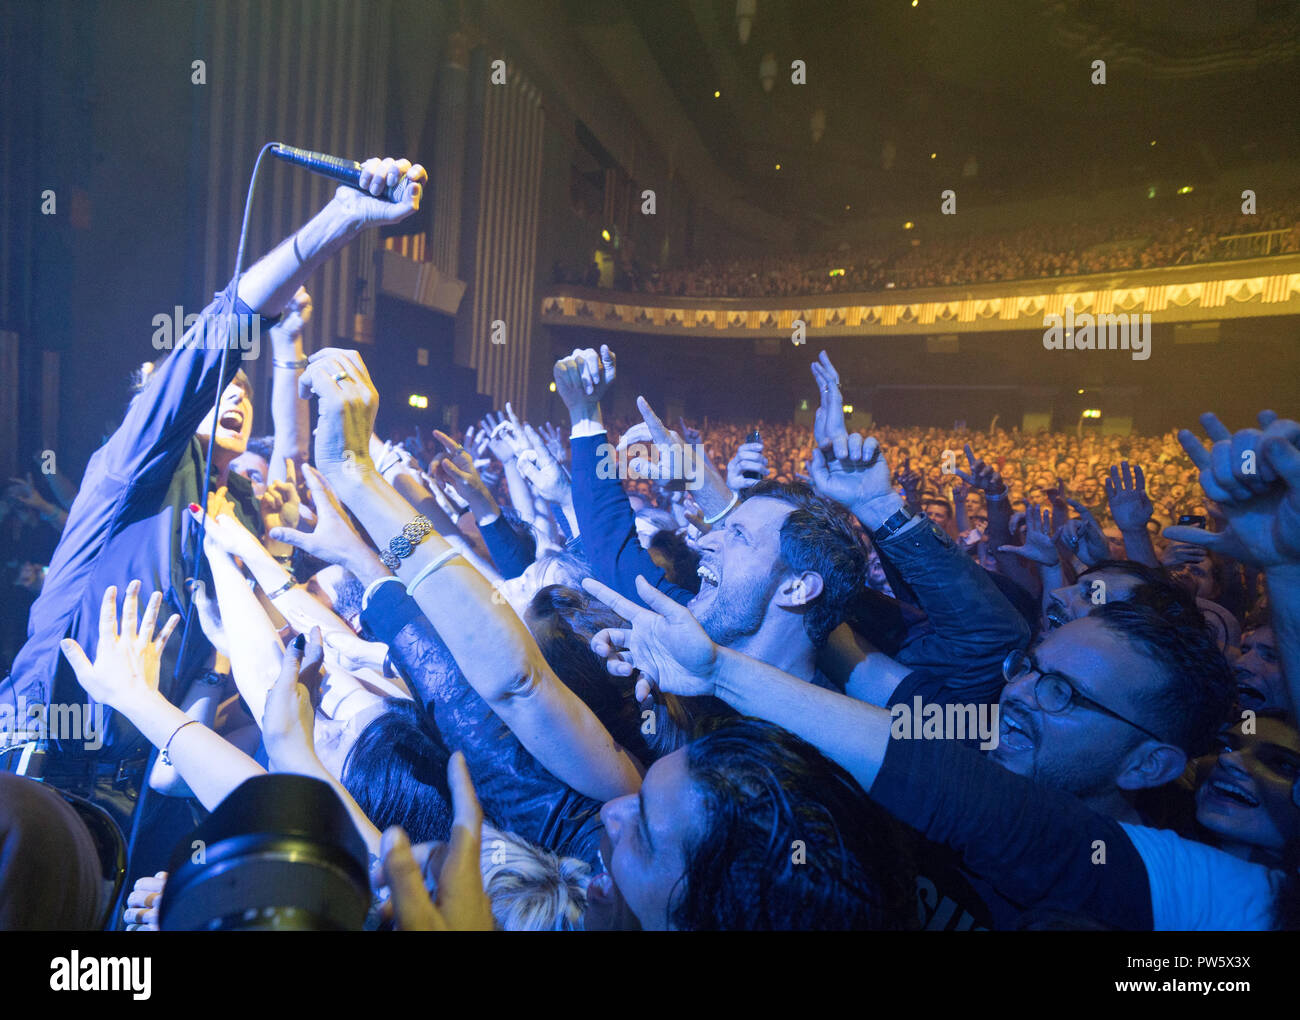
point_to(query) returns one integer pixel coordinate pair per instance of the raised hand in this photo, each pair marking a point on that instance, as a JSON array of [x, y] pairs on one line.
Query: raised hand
[[1254, 476], [1176, 554], [334, 539], [910, 482], [225, 536], [348, 402], [1126, 492], [670, 458], [858, 480], [555, 443], [24, 491], [457, 470], [664, 642], [829, 428], [296, 315], [476, 441], [353, 654], [392, 459], [1085, 536], [280, 502], [1040, 537], [209, 611], [748, 458], [541, 470], [288, 720], [504, 438], [982, 476], [125, 670], [582, 379]]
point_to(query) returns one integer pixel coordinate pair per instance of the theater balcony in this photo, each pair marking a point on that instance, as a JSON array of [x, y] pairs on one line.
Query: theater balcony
[[1237, 289]]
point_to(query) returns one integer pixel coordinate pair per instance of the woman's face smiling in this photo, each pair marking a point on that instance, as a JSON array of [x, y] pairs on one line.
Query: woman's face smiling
[[1247, 796]]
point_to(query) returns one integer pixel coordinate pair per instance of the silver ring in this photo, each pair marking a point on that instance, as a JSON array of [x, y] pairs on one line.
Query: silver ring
[[340, 376]]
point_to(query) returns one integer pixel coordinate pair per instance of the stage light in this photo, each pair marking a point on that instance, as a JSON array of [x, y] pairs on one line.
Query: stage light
[[552, 387], [934, 155], [717, 94], [848, 408], [1153, 143], [836, 272], [1080, 392], [1092, 412], [915, 2], [778, 166], [908, 225], [847, 208], [1186, 189], [604, 235], [416, 400]]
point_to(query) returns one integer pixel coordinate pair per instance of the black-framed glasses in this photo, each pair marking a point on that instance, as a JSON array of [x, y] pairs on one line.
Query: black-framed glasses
[[1056, 692]]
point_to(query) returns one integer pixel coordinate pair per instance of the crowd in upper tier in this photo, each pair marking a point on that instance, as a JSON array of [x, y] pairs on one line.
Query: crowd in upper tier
[[1068, 250]]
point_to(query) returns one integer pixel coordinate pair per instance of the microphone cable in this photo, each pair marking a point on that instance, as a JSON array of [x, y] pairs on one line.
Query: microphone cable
[[216, 410]]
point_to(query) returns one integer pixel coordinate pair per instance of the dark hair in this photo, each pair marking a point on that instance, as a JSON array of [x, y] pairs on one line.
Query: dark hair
[[563, 621], [1156, 588], [348, 594], [396, 771], [819, 535], [262, 446], [789, 840], [1192, 705], [939, 501], [681, 561], [142, 378]]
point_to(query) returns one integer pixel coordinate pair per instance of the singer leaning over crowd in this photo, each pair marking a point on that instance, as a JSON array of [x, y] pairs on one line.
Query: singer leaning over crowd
[[130, 521]]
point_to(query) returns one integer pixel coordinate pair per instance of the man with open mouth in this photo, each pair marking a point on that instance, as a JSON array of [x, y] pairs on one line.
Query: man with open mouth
[[130, 517]]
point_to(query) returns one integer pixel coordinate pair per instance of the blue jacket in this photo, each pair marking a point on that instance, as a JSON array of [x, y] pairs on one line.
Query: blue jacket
[[129, 521], [970, 627]]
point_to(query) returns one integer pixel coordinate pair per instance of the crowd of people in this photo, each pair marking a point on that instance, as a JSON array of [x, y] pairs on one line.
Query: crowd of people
[[987, 257], [578, 677]]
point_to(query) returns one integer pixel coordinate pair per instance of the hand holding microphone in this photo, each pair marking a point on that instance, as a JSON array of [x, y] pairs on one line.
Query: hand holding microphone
[[369, 202], [378, 191]]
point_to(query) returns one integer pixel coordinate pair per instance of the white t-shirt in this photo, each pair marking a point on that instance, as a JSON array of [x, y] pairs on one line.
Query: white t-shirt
[[1195, 887]]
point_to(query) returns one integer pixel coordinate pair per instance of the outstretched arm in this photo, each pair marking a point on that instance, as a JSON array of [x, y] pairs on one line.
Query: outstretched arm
[[269, 285], [997, 821], [674, 654], [1254, 476], [604, 515], [1131, 508], [290, 414], [124, 675], [974, 626], [499, 657]]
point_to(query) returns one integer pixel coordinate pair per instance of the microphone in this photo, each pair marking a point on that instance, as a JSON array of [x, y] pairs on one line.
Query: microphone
[[345, 171]]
